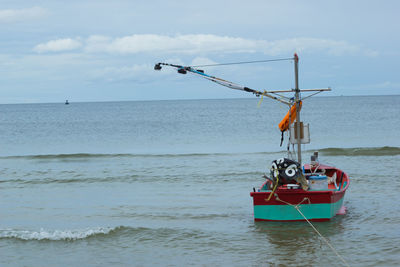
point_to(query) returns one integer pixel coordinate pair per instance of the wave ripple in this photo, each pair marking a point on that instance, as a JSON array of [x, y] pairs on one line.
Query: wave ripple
[[55, 235], [362, 151]]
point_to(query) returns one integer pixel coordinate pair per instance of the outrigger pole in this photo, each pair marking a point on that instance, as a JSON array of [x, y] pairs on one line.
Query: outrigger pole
[[185, 69], [271, 94]]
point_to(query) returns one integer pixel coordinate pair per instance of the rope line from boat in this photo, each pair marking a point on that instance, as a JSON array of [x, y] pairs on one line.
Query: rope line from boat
[[242, 62], [273, 190], [261, 100], [312, 226]]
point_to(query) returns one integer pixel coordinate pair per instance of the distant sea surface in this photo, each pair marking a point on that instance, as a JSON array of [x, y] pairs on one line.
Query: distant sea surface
[[167, 183]]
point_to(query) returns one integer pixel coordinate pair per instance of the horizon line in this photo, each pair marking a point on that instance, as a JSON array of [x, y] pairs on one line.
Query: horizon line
[[177, 99]]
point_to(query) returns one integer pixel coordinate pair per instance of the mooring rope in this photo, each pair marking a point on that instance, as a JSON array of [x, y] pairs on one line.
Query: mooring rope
[[312, 226]]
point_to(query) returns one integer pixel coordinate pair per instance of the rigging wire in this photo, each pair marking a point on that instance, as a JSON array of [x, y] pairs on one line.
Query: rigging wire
[[243, 62]]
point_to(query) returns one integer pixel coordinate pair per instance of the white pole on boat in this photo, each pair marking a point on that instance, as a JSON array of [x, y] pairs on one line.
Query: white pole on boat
[[297, 99]]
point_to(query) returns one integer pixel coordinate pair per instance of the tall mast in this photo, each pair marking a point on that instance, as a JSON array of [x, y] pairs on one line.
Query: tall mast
[[297, 99]]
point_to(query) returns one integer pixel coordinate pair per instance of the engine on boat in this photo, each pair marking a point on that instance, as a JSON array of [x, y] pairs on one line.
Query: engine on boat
[[287, 171]]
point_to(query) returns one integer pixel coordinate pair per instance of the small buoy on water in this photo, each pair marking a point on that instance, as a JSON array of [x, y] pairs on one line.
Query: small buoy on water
[[66, 102]]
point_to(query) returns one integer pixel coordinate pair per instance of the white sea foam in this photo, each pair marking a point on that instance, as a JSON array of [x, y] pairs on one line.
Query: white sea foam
[[43, 234]]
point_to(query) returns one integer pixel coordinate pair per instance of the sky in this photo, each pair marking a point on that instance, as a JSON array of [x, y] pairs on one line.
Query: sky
[[83, 51]]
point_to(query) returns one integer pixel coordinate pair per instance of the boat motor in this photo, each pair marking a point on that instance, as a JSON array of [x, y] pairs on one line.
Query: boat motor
[[287, 171]]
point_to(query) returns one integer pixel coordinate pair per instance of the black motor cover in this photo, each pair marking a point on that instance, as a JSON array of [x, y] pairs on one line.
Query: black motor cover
[[286, 171]]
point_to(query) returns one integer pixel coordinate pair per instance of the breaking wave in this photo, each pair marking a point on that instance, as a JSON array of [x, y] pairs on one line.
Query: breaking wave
[[357, 151], [138, 234], [57, 235], [362, 151]]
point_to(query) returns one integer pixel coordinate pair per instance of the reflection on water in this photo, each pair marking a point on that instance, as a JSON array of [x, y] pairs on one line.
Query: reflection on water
[[296, 241]]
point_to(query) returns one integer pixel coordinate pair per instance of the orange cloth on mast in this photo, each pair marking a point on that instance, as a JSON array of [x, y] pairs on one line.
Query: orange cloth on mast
[[284, 124]]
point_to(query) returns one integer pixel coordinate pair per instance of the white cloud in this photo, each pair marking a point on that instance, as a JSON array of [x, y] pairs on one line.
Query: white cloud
[[124, 73], [202, 61], [97, 43], [208, 43], [203, 44], [58, 45], [309, 44], [386, 87], [139, 73], [187, 44], [383, 85], [16, 15]]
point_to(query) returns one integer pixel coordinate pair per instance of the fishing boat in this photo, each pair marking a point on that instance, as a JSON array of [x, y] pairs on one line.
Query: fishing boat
[[291, 191], [321, 201]]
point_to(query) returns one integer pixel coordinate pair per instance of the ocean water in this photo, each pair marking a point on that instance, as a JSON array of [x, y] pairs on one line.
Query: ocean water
[[167, 183]]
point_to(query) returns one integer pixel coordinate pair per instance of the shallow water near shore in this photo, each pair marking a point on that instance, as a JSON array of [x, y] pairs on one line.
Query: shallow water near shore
[[168, 183]]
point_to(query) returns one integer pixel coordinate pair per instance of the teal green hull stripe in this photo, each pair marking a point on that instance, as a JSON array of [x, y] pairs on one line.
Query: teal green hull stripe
[[288, 213]]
